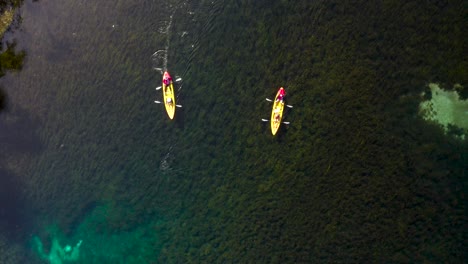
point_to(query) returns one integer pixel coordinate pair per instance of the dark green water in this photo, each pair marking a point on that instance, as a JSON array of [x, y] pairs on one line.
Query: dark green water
[[356, 177]]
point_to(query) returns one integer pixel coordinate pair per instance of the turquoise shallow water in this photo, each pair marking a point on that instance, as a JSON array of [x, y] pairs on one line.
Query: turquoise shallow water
[[357, 175]]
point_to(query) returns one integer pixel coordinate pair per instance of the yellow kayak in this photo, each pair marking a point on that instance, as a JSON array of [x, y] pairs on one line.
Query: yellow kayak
[[277, 111], [168, 93]]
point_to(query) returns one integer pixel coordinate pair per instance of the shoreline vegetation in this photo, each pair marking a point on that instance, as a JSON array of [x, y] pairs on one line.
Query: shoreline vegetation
[[7, 14], [10, 59], [5, 20]]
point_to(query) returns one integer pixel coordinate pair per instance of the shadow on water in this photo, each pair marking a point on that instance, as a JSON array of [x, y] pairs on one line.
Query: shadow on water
[[11, 219], [18, 138], [3, 100]]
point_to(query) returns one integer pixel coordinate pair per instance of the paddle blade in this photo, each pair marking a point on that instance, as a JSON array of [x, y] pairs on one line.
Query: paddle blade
[[158, 88], [264, 120], [178, 105], [269, 100], [286, 123], [290, 106], [178, 79], [157, 102]]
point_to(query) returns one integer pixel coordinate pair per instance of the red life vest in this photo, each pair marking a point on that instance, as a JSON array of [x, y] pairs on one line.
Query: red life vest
[[282, 92]]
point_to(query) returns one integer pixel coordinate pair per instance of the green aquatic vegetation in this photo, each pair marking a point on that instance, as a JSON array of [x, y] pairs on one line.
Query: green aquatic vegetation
[[353, 178], [348, 173], [11, 59]]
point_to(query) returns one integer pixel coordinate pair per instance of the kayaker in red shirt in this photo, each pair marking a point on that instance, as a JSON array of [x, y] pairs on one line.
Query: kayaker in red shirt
[[167, 79], [281, 95]]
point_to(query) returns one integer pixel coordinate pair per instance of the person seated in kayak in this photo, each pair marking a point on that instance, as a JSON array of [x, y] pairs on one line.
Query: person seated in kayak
[[281, 95], [167, 80], [169, 101], [277, 117]]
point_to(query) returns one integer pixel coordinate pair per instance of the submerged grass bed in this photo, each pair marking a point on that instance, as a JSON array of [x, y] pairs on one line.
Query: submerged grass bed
[[357, 176]]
